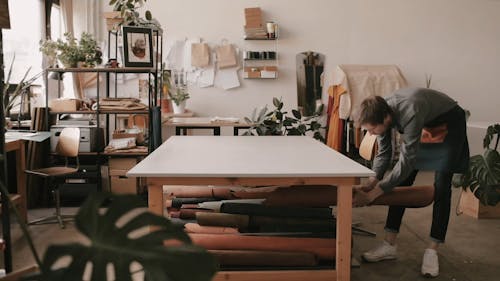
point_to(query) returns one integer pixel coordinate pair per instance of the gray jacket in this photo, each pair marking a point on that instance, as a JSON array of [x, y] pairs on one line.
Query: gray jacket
[[412, 108]]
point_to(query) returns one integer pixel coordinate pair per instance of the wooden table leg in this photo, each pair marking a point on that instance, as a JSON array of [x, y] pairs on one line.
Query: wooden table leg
[[344, 223], [155, 198], [21, 181]]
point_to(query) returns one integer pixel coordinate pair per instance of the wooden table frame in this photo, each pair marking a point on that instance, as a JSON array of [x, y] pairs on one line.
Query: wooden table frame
[[258, 161], [20, 150], [342, 271], [183, 124]]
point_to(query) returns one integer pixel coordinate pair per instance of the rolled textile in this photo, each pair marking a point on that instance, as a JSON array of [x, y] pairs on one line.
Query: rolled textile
[[326, 195], [187, 213], [220, 219], [275, 211], [407, 196], [264, 258], [191, 191], [216, 205], [196, 228], [178, 202], [280, 224], [323, 248]]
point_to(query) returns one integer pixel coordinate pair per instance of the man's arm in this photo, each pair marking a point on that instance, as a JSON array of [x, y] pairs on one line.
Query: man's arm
[[407, 157]]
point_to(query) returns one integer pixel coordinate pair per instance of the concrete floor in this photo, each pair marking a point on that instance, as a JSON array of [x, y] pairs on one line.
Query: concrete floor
[[471, 251]]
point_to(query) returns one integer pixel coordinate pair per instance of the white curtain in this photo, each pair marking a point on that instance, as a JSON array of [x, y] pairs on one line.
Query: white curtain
[[81, 16]]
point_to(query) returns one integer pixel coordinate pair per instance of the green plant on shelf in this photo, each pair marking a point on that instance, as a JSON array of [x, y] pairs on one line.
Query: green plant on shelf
[[277, 123], [71, 52], [178, 95], [129, 12]]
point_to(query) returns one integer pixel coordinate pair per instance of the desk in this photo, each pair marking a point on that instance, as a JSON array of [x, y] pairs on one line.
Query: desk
[[181, 125], [18, 146], [252, 161]]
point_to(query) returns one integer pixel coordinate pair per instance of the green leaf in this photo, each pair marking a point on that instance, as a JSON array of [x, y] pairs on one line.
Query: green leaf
[[148, 15], [120, 245], [315, 126], [302, 129], [296, 114], [279, 115], [112, 2], [276, 102]]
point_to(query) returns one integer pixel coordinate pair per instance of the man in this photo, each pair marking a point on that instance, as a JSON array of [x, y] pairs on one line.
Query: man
[[412, 111]]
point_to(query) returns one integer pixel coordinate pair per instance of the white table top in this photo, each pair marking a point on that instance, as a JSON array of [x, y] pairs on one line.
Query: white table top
[[250, 156]]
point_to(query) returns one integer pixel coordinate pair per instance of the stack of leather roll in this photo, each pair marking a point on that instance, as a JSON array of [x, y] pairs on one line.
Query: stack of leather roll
[[273, 226]]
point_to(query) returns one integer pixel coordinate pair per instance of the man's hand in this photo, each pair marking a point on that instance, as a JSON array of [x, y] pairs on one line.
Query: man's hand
[[363, 198], [372, 182]]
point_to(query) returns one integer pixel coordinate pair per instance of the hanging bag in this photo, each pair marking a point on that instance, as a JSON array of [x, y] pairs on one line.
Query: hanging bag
[[226, 55], [200, 55]]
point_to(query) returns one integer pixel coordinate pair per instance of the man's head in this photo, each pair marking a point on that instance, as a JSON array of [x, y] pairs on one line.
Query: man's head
[[375, 115]]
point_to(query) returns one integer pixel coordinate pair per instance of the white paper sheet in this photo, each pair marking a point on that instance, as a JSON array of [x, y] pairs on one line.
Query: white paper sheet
[[227, 78]]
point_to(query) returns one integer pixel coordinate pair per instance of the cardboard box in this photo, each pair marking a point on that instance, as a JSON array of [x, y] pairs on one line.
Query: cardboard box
[[65, 104], [119, 182], [121, 134], [126, 163], [471, 206], [123, 185]]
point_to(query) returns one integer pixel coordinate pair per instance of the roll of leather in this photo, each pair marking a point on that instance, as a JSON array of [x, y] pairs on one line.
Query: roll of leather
[[178, 202], [275, 211], [409, 197], [322, 248], [325, 195], [264, 258], [192, 191], [275, 224], [218, 219], [187, 214], [196, 228]]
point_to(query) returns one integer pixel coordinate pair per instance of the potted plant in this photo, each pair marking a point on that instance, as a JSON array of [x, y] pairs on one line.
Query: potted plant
[[483, 176], [178, 96], [14, 96], [72, 52], [277, 123], [126, 12]]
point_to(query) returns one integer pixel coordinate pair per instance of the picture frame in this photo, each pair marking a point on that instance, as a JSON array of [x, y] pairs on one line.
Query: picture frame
[[137, 46]]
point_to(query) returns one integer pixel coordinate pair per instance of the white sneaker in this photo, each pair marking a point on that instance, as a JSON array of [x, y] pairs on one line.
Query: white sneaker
[[430, 263], [385, 251]]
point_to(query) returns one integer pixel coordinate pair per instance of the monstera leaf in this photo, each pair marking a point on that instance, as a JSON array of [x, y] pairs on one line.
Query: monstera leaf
[[121, 234], [483, 176]]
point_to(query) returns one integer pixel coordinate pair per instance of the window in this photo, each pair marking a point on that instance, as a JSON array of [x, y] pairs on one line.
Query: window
[[22, 39]]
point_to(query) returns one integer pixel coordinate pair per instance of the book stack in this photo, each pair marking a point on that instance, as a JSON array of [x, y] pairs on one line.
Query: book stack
[[253, 24]]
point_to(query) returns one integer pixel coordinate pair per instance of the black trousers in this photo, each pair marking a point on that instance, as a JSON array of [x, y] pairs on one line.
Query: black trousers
[[445, 158], [440, 211]]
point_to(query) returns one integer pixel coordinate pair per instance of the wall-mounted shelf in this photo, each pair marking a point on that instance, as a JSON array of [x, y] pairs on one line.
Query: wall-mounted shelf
[[263, 38]]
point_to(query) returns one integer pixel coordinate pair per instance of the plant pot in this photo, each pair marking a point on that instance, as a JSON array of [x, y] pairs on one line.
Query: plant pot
[[113, 20], [178, 109]]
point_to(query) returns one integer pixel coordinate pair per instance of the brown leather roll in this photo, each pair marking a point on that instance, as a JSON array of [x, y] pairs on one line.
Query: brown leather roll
[[190, 214], [220, 219], [264, 258], [196, 228], [408, 196], [323, 248], [325, 195], [187, 191]]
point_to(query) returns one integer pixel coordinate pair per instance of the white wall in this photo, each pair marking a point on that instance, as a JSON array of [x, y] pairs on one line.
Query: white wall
[[454, 40]]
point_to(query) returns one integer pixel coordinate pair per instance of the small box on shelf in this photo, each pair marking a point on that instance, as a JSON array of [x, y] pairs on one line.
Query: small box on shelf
[[65, 105]]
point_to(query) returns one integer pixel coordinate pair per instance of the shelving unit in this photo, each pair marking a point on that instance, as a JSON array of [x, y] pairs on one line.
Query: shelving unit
[[260, 61], [104, 117]]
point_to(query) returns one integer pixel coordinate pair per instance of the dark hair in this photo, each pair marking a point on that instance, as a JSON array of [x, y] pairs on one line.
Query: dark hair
[[373, 110]]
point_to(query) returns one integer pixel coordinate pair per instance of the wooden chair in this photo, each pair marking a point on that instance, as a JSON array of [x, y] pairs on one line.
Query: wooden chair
[[67, 146]]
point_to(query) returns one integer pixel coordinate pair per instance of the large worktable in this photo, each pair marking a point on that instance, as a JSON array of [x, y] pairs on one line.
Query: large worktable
[[257, 161]]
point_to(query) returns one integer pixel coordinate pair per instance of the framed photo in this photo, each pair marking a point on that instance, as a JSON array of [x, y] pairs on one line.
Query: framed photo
[[138, 47]]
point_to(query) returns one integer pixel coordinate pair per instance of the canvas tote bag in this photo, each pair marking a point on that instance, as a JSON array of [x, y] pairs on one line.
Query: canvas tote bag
[[226, 55], [200, 54]]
